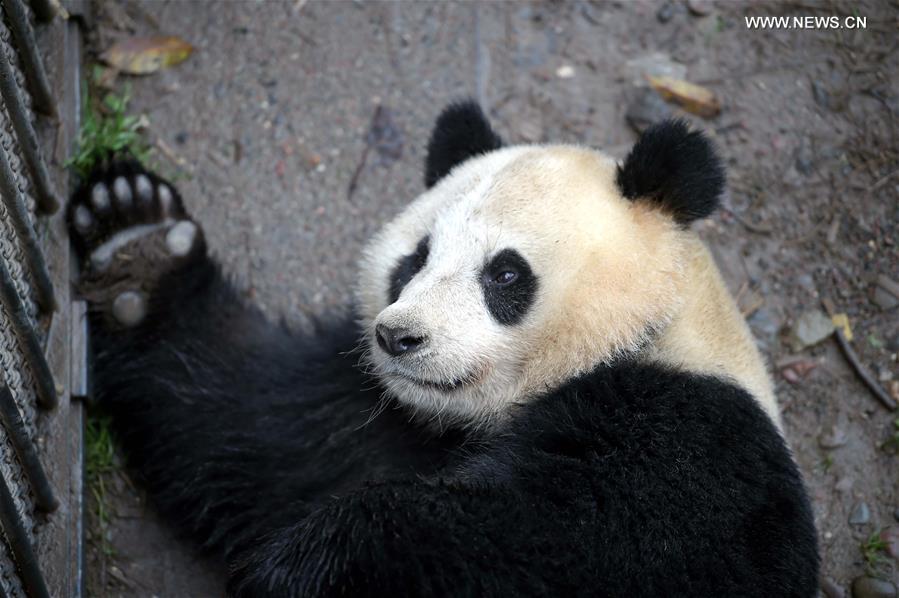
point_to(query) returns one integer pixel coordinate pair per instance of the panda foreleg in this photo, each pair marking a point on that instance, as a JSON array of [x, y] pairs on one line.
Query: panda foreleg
[[216, 408], [417, 538]]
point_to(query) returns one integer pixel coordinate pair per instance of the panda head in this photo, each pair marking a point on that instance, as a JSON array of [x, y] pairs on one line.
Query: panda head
[[521, 267]]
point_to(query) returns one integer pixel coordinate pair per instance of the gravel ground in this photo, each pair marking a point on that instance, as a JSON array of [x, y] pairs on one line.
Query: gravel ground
[[268, 120]]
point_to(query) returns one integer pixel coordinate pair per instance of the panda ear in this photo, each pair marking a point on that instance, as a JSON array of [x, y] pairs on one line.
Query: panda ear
[[676, 169], [461, 131]]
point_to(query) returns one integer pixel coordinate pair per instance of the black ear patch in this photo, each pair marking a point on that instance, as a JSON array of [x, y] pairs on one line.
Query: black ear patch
[[461, 131], [675, 168]]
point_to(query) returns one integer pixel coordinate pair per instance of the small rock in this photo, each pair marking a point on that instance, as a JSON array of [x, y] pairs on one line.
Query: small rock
[[750, 302], [844, 485], [807, 282], [819, 92], [656, 64], [646, 109], [765, 322], [833, 438], [886, 292], [871, 587], [860, 514], [883, 299], [890, 539], [798, 370], [804, 159], [531, 131], [893, 343], [665, 13], [700, 8], [810, 328], [830, 588], [884, 374], [791, 376], [566, 71]]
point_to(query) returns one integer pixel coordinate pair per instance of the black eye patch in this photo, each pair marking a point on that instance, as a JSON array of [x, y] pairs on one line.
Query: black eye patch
[[407, 268], [510, 286]]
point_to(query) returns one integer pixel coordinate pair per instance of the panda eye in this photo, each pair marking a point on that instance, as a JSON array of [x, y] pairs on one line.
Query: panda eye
[[505, 277], [509, 285]]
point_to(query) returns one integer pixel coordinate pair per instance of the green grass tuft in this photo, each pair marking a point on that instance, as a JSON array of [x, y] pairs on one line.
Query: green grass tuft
[[100, 462], [106, 129], [891, 444], [873, 551]]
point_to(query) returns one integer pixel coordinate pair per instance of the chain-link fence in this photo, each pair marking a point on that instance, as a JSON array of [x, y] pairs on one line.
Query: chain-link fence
[[32, 315]]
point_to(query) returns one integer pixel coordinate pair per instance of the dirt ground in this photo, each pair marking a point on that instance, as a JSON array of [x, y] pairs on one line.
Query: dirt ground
[[267, 121]]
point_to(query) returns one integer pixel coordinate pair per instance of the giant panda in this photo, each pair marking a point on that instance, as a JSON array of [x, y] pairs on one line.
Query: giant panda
[[543, 387]]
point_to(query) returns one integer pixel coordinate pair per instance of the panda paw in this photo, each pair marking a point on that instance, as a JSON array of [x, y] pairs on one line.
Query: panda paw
[[130, 228]]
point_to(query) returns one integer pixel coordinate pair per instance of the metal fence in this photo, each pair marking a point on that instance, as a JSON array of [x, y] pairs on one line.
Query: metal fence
[[28, 304]]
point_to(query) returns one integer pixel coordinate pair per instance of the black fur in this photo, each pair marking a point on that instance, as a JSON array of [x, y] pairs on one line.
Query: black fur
[[407, 268], [630, 481], [263, 444], [676, 169], [462, 132], [508, 303]]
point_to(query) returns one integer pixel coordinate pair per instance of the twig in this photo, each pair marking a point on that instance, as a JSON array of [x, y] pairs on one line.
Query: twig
[[354, 180], [169, 153], [882, 181], [860, 370], [759, 229]]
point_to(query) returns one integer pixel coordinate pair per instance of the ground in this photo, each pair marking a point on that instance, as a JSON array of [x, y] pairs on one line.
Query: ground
[[267, 125]]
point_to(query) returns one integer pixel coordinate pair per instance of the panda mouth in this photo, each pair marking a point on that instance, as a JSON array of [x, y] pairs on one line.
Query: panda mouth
[[470, 378], [441, 386]]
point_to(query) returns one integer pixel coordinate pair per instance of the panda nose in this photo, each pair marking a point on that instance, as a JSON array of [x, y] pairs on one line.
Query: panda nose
[[398, 341]]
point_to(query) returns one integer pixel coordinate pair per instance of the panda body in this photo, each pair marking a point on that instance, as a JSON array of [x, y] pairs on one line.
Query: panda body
[[556, 395]]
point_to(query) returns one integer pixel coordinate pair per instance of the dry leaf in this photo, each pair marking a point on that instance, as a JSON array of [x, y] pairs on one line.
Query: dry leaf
[[145, 55], [690, 97], [842, 321]]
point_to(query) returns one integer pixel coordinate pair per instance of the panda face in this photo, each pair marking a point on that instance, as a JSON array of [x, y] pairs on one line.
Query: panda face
[[522, 268]]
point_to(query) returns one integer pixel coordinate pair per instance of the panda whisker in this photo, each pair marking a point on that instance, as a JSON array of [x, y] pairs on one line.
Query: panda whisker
[[376, 410]]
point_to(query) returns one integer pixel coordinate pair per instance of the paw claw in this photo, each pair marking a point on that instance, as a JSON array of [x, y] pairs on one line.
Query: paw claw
[[83, 220], [144, 189], [166, 200], [100, 198], [122, 191]]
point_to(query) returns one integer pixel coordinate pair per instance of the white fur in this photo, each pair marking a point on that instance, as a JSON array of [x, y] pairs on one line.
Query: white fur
[[613, 275]]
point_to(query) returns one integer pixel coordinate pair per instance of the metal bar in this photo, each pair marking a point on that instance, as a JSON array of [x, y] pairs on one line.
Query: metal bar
[[18, 436], [20, 544], [80, 381], [31, 57], [28, 341], [18, 114], [18, 215], [43, 10]]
